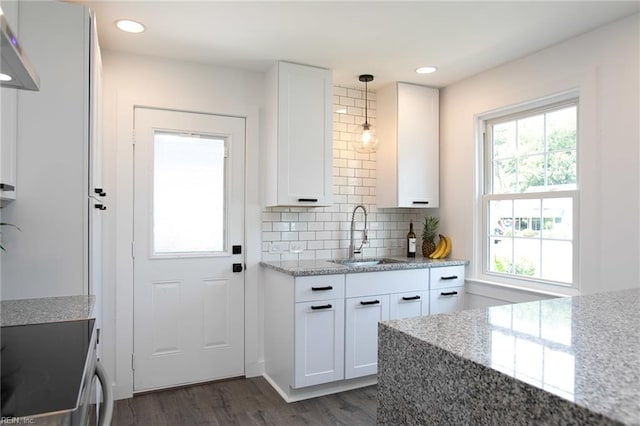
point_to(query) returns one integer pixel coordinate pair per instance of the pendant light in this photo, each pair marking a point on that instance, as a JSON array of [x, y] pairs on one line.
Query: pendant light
[[365, 139]]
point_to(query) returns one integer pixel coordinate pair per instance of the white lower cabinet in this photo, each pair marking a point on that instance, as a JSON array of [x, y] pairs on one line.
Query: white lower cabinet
[[319, 342], [323, 329], [361, 336]]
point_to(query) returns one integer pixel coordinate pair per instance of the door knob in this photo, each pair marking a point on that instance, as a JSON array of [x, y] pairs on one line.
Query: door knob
[[237, 267]]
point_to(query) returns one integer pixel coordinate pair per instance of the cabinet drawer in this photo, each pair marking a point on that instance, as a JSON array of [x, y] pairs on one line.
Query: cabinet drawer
[[447, 276], [319, 287], [446, 300], [406, 305]]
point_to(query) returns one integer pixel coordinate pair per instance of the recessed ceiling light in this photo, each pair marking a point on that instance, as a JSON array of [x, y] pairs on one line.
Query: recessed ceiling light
[[426, 70], [5, 77], [130, 26]]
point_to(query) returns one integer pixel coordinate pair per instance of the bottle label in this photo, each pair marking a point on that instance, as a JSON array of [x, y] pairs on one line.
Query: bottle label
[[412, 245]]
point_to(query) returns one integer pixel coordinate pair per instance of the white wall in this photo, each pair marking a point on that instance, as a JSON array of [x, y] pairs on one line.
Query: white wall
[[130, 80], [603, 64]]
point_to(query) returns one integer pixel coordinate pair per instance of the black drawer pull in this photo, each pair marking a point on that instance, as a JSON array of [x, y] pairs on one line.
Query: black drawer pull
[[321, 288], [315, 308], [449, 293], [420, 202], [411, 298], [307, 200], [7, 187], [370, 302], [452, 277]]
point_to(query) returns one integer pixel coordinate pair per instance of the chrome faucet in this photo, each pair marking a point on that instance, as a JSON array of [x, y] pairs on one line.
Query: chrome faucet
[[352, 249]]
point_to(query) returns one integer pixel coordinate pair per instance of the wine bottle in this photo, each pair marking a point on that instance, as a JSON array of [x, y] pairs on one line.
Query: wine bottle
[[411, 241]]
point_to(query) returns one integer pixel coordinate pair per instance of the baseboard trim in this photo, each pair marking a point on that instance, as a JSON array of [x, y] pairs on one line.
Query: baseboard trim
[[295, 395]]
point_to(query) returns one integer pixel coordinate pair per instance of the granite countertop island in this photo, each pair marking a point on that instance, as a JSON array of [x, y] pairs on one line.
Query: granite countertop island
[[46, 309], [303, 268], [572, 360]]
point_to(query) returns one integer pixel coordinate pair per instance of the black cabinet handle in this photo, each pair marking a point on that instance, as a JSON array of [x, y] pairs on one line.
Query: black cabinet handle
[[449, 293], [7, 187], [452, 277], [420, 202], [327, 306], [321, 288], [100, 192], [307, 200], [100, 206], [411, 298], [370, 302]]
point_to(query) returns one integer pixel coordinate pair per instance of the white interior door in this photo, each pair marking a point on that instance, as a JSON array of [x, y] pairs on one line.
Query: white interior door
[[188, 218]]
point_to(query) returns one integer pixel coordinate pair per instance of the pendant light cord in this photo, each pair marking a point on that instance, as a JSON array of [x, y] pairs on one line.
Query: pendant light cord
[[366, 102]]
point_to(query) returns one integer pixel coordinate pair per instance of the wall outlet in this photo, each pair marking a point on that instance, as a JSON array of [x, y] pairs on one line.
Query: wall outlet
[[279, 247], [296, 246]]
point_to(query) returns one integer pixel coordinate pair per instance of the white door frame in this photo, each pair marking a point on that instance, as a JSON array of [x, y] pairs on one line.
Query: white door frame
[[118, 292]]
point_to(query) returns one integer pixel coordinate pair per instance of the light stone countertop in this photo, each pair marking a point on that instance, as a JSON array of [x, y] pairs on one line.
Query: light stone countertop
[[46, 309], [327, 267], [584, 351]]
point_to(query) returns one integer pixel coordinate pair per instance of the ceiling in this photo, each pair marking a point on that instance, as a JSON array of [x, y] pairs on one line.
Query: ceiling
[[386, 39]]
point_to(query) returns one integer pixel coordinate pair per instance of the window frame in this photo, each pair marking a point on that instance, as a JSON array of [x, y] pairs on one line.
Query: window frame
[[484, 176]]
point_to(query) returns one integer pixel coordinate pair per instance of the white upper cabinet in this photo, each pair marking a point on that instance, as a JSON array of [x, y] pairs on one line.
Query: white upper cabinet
[[408, 132], [297, 160]]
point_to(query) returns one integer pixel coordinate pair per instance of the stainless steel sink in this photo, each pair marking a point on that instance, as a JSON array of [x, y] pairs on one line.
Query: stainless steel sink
[[354, 263]]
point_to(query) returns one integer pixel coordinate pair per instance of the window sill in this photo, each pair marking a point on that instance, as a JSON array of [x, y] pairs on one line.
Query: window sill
[[497, 290]]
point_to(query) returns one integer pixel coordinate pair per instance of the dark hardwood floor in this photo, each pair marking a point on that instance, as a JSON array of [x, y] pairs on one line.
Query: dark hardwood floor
[[244, 402]]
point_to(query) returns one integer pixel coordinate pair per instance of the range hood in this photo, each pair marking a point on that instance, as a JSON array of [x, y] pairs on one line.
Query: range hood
[[15, 63]]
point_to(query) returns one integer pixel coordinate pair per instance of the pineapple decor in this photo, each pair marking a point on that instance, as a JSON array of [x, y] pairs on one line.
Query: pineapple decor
[[429, 232]]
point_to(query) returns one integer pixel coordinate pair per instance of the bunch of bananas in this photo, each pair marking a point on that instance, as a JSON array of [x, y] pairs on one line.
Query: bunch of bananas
[[442, 249]]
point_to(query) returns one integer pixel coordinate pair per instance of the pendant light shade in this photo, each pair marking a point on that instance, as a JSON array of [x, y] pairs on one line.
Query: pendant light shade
[[365, 139]]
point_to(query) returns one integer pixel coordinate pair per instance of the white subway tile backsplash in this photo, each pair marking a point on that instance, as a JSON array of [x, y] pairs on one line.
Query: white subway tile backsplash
[[298, 226], [315, 245], [290, 236], [270, 217], [289, 217], [339, 91], [306, 217], [354, 93], [307, 236], [280, 226], [271, 236], [315, 226], [323, 233]]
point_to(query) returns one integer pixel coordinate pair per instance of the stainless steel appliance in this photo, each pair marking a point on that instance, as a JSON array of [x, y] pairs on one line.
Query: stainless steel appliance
[[50, 373], [18, 71]]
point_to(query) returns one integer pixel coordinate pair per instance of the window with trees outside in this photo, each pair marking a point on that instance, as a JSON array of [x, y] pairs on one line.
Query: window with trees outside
[[530, 196]]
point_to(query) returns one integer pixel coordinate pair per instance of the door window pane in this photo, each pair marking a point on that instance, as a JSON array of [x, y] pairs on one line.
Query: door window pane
[[189, 211]]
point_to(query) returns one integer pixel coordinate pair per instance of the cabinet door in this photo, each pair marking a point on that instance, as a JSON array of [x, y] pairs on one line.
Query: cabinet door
[[361, 336], [319, 342], [304, 135], [418, 155], [446, 300], [406, 305]]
